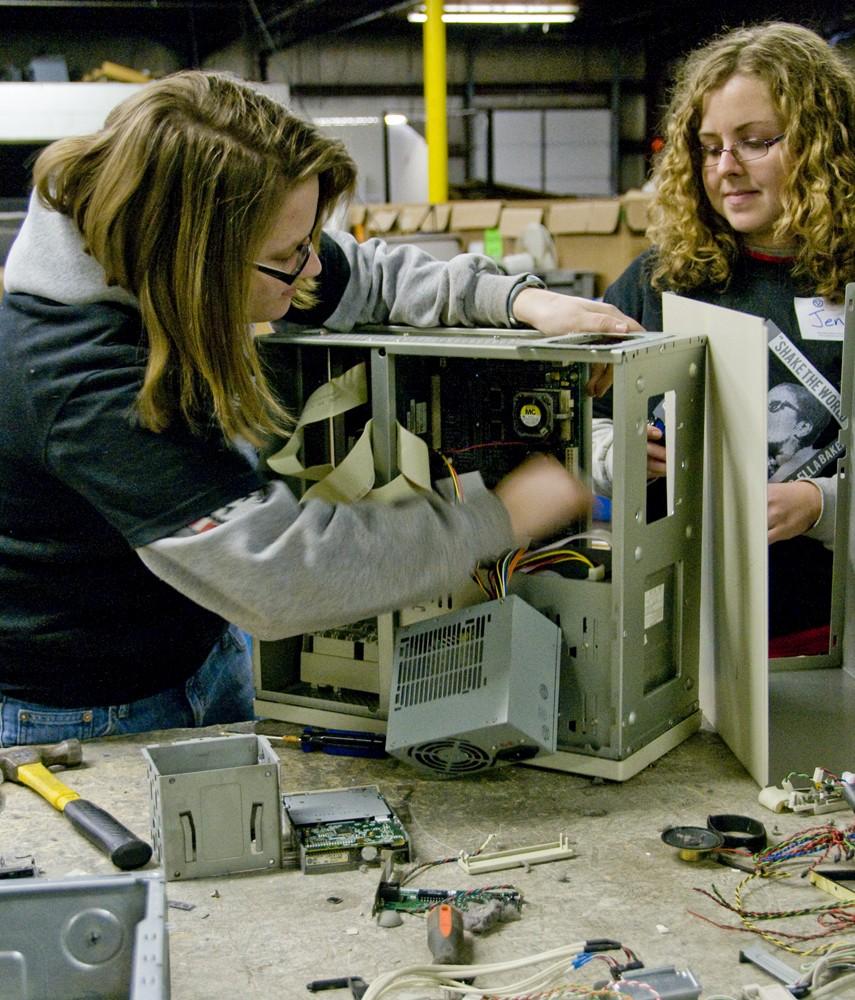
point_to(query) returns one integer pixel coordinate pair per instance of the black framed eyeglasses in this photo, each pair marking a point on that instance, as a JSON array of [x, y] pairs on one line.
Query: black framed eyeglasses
[[743, 150], [304, 251], [779, 404]]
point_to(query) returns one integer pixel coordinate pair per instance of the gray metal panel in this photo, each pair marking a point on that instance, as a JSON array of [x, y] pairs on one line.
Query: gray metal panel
[[76, 937], [485, 342], [209, 754], [335, 806], [216, 809], [645, 553], [586, 720], [630, 653]]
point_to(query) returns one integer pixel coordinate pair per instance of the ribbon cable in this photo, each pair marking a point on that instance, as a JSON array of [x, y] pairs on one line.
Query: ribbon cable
[[354, 477]]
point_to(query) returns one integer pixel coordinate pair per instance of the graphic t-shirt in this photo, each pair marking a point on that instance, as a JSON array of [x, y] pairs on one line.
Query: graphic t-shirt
[[805, 358]]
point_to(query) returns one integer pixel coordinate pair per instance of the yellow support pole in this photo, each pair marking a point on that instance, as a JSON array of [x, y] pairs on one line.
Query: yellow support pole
[[435, 111]]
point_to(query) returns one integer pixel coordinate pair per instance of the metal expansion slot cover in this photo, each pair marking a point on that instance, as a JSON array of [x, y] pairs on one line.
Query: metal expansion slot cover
[[519, 857]]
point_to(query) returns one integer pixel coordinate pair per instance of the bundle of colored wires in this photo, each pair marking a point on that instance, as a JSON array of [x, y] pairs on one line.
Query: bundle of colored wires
[[523, 560], [532, 561], [809, 849], [455, 479], [816, 842]]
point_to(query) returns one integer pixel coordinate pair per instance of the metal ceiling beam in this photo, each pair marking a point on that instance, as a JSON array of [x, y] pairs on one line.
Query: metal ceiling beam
[[297, 22]]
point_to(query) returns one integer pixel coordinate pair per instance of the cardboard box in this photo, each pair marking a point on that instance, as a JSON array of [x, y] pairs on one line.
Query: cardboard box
[[596, 235], [635, 205], [411, 217], [443, 246], [356, 215], [381, 219], [513, 223], [437, 219], [514, 220], [471, 218], [601, 235]]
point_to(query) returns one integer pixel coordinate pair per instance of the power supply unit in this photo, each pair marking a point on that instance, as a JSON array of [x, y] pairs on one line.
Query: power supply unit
[[475, 688]]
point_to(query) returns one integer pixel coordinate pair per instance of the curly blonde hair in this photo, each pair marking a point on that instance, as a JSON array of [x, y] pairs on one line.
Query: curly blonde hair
[[174, 197], [814, 92]]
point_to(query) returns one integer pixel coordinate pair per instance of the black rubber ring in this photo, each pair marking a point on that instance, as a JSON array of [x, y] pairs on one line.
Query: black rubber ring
[[739, 831]]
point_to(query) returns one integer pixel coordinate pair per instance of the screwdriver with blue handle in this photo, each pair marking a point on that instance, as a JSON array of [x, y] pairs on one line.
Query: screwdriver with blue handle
[[341, 742]]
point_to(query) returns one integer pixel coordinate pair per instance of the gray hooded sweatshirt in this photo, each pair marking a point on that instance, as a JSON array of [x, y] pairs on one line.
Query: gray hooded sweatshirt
[[73, 351]]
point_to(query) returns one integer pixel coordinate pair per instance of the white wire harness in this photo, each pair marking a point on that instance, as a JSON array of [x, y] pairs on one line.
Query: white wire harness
[[553, 980]]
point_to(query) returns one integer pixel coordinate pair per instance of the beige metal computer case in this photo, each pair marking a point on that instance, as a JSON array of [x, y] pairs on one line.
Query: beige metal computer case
[[481, 399]]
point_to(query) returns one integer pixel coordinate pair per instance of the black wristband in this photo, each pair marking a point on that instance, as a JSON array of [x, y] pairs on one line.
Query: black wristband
[[528, 281]]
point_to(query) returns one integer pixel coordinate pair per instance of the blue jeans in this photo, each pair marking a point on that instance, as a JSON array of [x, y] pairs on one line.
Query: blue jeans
[[220, 692]]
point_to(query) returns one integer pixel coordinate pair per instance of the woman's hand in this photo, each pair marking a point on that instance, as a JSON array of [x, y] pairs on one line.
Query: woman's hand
[[655, 453], [600, 380], [792, 508], [555, 314], [541, 497]]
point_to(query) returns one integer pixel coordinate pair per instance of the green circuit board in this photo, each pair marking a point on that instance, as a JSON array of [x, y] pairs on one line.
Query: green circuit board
[[331, 840]]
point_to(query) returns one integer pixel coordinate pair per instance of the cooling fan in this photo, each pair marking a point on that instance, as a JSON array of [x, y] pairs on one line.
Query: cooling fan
[[452, 757], [475, 688]]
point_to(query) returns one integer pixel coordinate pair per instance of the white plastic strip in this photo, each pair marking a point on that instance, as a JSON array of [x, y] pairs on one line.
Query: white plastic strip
[[516, 858]]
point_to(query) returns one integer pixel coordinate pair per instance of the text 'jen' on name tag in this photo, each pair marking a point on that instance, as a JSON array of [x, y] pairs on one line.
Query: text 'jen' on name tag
[[819, 319]]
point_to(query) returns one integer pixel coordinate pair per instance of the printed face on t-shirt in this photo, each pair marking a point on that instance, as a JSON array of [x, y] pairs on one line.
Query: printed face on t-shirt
[[785, 421], [745, 192]]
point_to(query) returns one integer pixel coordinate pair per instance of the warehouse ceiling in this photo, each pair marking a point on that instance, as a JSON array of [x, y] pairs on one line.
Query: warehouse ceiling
[[196, 28]]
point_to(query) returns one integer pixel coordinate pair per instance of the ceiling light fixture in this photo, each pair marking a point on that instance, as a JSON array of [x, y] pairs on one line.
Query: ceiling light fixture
[[340, 121], [501, 13]]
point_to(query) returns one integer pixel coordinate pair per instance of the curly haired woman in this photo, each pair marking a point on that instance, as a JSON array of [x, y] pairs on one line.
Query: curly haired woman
[[754, 210]]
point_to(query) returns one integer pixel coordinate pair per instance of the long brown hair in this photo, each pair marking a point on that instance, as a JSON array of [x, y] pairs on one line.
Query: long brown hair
[[813, 90], [173, 198]]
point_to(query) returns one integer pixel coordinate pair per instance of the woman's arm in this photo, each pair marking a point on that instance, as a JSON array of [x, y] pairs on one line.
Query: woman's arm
[[803, 507], [373, 282], [277, 568]]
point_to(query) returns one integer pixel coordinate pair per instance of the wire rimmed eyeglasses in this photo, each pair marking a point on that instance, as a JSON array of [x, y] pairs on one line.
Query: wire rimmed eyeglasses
[[304, 251], [743, 150]]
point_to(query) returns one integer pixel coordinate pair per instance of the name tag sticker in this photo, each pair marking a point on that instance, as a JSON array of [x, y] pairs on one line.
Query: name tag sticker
[[819, 319]]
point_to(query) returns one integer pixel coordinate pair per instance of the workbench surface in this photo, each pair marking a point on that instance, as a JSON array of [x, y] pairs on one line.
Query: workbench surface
[[266, 935]]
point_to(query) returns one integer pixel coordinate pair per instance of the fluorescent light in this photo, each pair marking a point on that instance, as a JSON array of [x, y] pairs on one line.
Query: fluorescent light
[[501, 13], [393, 118], [352, 120], [509, 8]]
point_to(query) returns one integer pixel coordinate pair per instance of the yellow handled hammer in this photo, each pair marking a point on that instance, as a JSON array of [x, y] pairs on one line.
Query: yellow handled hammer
[[28, 765]]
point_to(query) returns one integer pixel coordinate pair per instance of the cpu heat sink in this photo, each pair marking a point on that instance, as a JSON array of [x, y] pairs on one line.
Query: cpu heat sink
[[475, 688]]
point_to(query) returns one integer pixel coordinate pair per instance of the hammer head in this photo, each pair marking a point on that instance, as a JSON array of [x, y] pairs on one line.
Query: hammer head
[[68, 753]]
